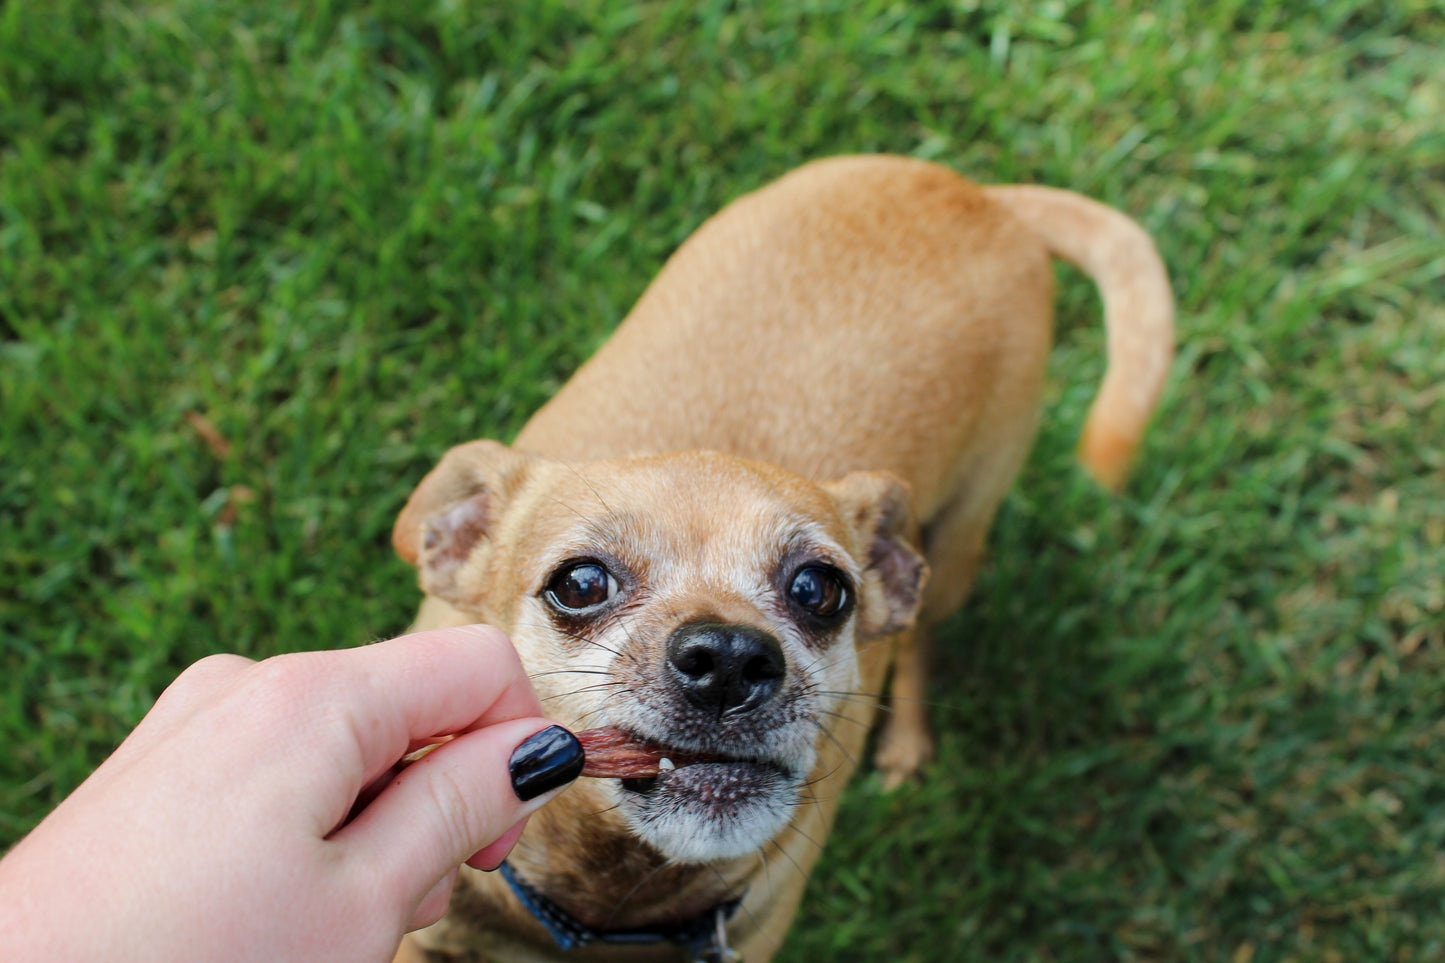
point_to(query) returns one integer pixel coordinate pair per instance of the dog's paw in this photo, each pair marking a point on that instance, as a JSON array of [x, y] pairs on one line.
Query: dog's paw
[[902, 752]]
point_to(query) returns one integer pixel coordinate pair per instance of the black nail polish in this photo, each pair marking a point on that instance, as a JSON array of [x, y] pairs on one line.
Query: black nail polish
[[544, 761]]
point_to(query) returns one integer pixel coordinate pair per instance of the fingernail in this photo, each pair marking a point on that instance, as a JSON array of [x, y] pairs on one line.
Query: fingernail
[[545, 761]]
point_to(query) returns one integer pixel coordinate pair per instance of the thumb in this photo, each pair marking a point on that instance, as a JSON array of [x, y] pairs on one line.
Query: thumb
[[459, 798]]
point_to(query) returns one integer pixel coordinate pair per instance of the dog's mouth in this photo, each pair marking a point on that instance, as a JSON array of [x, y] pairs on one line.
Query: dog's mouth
[[642, 765], [612, 753], [693, 806]]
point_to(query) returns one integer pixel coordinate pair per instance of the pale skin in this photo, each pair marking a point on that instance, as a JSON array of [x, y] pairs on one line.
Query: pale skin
[[256, 811]]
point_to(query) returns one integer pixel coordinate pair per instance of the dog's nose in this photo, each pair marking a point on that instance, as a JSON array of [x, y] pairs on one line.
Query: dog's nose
[[723, 668]]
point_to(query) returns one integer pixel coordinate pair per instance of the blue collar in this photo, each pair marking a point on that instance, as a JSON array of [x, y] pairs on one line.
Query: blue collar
[[703, 935]]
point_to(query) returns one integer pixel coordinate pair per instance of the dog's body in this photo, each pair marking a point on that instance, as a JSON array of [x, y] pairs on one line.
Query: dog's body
[[834, 381]]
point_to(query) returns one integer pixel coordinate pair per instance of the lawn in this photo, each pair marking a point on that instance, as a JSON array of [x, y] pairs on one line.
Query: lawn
[[262, 262]]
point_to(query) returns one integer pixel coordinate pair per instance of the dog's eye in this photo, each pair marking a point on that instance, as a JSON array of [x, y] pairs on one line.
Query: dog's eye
[[581, 586], [819, 590]]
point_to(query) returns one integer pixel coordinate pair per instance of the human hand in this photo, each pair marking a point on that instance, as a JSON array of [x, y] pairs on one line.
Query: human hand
[[257, 812]]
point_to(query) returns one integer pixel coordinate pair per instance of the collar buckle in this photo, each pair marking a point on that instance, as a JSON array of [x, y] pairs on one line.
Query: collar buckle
[[715, 949]]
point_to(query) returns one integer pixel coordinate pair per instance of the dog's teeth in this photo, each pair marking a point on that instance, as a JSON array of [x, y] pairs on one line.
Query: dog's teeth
[[665, 765]]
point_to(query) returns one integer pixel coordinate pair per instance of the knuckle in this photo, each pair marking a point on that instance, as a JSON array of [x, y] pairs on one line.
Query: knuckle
[[203, 678], [198, 684], [211, 668], [297, 684]]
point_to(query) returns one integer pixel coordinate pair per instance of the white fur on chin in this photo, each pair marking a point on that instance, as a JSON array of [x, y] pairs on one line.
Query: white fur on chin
[[713, 811]]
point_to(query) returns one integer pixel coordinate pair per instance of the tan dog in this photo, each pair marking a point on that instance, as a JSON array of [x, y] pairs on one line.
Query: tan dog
[[714, 537]]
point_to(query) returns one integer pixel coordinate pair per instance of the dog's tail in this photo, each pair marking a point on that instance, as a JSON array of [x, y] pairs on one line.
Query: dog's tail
[[1138, 314]]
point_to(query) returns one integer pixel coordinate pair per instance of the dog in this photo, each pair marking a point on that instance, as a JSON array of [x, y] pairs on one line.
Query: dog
[[741, 518]]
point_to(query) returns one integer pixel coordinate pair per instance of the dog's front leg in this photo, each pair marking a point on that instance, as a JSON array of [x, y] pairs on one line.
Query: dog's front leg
[[904, 742]]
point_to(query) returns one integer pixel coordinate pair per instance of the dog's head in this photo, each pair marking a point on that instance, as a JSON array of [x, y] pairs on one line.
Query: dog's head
[[697, 601]]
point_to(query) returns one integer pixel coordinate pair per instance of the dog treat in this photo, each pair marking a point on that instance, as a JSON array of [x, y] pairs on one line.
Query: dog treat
[[609, 753], [613, 754]]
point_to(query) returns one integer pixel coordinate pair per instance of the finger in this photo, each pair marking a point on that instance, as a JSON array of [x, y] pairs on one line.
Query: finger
[[434, 903], [335, 721], [451, 804], [489, 857], [437, 683]]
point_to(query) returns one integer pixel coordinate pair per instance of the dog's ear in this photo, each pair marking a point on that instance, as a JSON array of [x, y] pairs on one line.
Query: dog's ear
[[456, 505], [877, 505]]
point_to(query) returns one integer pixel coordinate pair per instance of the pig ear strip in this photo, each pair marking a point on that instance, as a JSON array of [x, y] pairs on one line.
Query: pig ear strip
[[609, 754]]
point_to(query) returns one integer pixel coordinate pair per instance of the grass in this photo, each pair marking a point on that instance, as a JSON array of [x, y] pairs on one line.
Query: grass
[[260, 263]]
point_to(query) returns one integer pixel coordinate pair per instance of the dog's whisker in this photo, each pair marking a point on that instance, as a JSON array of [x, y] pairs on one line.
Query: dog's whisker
[[834, 740], [593, 687], [818, 665], [767, 874], [543, 675], [585, 640], [592, 713], [834, 714], [591, 641], [875, 699], [857, 698], [590, 487], [646, 878], [812, 784], [585, 688], [789, 857], [602, 812], [633, 646], [813, 796], [797, 831]]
